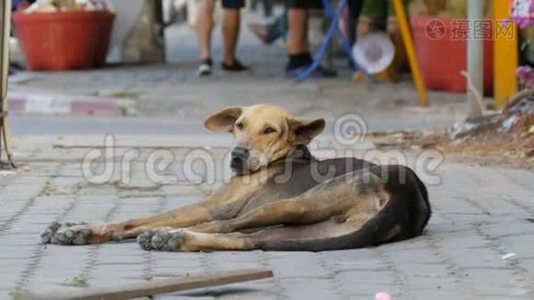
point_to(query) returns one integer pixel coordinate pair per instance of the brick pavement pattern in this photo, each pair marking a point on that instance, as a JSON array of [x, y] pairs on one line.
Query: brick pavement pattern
[[480, 215]]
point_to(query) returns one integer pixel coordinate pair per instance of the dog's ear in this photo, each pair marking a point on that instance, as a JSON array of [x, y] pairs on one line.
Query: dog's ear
[[305, 130], [223, 121]]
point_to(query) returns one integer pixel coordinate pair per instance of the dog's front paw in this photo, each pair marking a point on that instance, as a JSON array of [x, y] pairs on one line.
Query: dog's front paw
[[145, 240], [168, 240], [67, 234]]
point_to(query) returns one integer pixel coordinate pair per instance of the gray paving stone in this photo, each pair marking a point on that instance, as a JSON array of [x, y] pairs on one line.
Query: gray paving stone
[[437, 294], [297, 265], [463, 240], [520, 245], [8, 280], [430, 283], [366, 277], [232, 260], [371, 289], [480, 213], [498, 297], [182, 297], [422, 255], [179, 262], [361, 259], [496, 281], [508, 227], [476, 258], [432, 270], [528, 264], [17, 252], [309, 288]]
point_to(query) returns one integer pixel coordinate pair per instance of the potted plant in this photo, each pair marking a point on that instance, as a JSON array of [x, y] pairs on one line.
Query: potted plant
[[440, 30], [64, 34]]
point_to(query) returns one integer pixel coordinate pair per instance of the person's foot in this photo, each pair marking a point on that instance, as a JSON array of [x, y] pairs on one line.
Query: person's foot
[[298, 63], [204, 69], [237, 66]]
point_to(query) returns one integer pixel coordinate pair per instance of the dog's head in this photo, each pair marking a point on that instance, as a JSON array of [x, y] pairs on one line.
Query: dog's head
[[263, 133]]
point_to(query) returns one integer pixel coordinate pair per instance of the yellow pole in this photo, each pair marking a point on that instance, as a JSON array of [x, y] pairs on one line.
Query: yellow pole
[[410, 51], [505, 54]]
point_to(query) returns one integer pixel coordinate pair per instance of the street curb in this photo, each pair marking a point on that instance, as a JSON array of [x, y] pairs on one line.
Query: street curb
[[26, 103]]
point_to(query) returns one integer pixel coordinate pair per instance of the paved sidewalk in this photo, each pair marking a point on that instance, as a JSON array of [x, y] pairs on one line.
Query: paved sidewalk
[[174, 91], [478, 244]]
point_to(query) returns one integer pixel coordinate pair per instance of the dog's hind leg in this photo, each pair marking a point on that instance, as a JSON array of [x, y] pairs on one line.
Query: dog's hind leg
[[360, 191], [327, 235]]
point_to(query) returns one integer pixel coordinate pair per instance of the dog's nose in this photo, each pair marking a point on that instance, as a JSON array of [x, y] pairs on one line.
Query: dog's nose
[[240, 154]]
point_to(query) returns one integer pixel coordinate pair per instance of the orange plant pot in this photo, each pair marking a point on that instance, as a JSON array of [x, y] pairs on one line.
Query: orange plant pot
[[443, 55], [64, 40]]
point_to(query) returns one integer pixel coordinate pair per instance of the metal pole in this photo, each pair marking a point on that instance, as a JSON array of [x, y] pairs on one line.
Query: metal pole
[[5, 129], [475, 55], [407, 39]]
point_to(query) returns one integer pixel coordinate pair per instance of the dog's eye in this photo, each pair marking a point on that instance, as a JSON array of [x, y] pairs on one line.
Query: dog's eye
[[269, 130], [239, 126]]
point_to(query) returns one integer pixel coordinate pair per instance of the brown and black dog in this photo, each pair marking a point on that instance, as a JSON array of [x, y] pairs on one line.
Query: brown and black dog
[[280, 197]]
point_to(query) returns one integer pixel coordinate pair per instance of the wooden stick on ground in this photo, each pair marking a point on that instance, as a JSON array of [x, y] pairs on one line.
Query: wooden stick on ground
[[143, 289]]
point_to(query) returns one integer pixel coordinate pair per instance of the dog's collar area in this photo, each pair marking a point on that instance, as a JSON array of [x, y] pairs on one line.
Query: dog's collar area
[[301, 151]]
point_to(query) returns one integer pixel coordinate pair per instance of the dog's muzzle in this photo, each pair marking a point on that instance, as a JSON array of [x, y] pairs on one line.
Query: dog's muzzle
[[239, 157]]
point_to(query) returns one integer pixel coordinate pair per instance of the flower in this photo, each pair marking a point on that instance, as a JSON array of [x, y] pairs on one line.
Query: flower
[[526, 76], [523, 22]]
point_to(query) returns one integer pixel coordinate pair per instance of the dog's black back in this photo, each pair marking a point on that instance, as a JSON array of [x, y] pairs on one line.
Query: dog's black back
[[408, 209]]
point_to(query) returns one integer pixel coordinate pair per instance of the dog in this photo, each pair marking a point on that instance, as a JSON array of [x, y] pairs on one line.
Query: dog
[[279, 198]]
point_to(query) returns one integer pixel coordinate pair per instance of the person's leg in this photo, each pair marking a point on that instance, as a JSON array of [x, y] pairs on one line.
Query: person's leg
[[231, 25], [204, 29], [298, 30], [355, 10], [299, 52], [230, 28], [268, 8]]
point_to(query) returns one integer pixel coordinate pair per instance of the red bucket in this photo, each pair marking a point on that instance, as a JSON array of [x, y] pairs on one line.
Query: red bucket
[[64, 40], [443, 56]]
